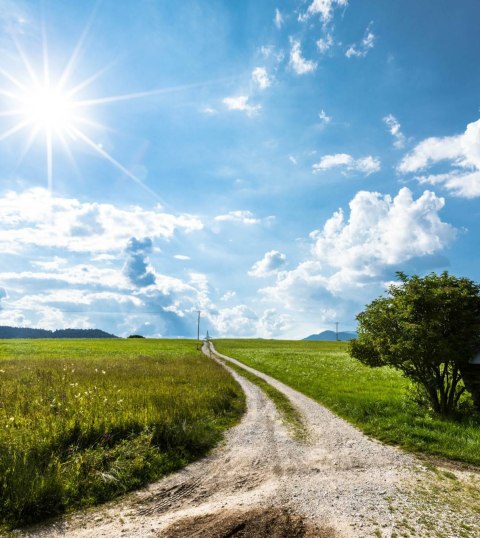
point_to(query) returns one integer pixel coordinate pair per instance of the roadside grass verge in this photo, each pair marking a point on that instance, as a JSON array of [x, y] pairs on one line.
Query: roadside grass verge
[[82, 421], [291, 416], [376, 400]]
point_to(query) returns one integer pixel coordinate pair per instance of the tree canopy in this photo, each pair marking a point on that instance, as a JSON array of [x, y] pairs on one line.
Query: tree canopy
[[427, 327]]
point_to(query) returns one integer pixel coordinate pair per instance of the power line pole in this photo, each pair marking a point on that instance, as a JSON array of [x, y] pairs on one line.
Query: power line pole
[[336, 330]]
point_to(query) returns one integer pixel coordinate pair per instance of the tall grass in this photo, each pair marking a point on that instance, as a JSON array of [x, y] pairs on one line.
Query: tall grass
[[84, 420], [377, 400]]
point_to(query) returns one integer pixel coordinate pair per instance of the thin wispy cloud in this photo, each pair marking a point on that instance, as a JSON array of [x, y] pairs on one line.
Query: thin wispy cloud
[[324, 117], [241, 104], [395, 130], [360, 50], [366, 165], [278, 19], [324, 44], [241, 216], [323, 9]]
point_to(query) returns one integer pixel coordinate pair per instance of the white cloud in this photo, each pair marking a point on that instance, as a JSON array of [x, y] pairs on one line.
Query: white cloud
[[36, 218], [367, 165], [323, 117], [361, 49], [237, 321], [261, 78], [395, 130], [241, 103], [292, 159], [52, 264], [382, 231], [74, 275], [325, 44], [209, 110], [181, 257], [266, 51], [227, 296], [241, 216], [300, 65], [324, 8], [271, 263], [272, 323], [351, 259], [459, 153], [278, 19]]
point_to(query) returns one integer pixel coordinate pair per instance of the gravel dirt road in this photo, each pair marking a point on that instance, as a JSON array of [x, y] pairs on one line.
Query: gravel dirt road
[[260, 482]]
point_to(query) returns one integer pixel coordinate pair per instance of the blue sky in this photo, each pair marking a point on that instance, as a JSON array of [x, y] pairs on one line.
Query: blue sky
[[272, 164]]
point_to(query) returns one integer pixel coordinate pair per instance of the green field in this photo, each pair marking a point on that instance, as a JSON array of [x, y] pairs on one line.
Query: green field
[[377, 400], [85, 420]]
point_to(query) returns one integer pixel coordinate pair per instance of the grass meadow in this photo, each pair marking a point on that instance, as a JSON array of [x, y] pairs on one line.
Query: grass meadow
[[82, 421], [377, 400]]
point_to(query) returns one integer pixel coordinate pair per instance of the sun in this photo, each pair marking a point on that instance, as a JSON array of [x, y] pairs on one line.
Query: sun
[[49, 109]]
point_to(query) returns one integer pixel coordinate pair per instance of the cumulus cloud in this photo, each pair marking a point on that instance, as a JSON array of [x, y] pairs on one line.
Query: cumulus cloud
[[239, 320], [272, 262], [240, 103], [273, 323], [360, 50], [36, 218], [366, 165], [395, 130], [382, 230], [459, 153], [260, 78], [352, 258], [323, 8], [297, 62]]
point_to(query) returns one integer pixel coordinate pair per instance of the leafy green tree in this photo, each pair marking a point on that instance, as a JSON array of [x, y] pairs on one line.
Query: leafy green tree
[[427, 327]]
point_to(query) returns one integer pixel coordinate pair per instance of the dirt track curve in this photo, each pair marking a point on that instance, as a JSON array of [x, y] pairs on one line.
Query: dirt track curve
[[261, 482]]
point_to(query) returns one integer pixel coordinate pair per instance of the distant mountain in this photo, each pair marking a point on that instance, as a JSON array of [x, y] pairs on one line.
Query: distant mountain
[[331, 335], [25, 332]]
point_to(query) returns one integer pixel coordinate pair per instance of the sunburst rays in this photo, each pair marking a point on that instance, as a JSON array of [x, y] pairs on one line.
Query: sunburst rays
[[53, 108]]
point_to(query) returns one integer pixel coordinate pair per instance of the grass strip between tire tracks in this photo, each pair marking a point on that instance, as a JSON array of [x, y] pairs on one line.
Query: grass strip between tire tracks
[[291, 416]]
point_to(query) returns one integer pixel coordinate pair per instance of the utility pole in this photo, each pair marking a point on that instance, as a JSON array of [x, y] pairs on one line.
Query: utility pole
[[336, 331]]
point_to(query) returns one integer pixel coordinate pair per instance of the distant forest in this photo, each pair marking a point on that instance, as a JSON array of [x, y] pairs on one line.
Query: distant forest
[[25, 332]]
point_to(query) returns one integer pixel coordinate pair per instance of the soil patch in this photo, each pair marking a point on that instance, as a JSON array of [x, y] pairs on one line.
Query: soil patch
[[257, 523]]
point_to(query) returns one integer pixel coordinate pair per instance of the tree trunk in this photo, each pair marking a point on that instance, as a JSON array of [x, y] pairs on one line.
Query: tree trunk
[[471, 379]]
